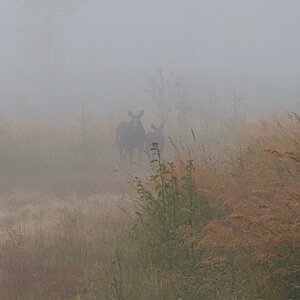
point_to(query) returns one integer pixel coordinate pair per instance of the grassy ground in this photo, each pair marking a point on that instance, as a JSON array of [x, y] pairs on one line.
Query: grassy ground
[[54, 249], [219, 220]]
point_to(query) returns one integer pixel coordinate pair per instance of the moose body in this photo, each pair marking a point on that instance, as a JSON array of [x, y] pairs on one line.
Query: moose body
[[131, 135], [154, 139]]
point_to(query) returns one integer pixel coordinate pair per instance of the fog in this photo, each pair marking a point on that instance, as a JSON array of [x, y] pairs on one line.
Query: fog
[[56, 56], [149, 149]]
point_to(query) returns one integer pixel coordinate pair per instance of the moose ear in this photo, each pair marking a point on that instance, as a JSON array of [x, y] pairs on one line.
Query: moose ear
[[141, 113], [130, 114]]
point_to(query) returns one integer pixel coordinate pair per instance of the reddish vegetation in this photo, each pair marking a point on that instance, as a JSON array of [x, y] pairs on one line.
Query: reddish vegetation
[[258, 222], [225, 222]]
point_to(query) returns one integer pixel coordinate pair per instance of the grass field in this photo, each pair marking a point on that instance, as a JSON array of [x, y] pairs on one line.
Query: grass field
[[218, 220]]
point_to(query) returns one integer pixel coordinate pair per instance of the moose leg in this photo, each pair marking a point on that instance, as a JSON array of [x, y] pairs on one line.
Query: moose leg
[[121, 156], [140, 152]]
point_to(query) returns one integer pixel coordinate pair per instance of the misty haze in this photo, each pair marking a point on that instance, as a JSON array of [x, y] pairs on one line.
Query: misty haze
[[149, 149]]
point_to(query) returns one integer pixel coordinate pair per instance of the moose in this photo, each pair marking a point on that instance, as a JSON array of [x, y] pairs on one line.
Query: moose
[[131, 135], [154, 139]]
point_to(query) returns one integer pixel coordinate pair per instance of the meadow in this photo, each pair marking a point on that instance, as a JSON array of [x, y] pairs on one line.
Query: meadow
[[217, 218]]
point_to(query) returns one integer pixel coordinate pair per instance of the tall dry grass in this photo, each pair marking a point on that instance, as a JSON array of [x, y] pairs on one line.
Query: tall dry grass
[[53, 249], [219, 219]]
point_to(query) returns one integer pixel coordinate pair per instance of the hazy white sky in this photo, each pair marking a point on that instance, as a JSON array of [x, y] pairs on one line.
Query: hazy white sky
[[102, 52]]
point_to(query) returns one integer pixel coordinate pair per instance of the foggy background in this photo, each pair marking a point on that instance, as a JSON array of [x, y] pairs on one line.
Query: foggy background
[[57, 55]]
